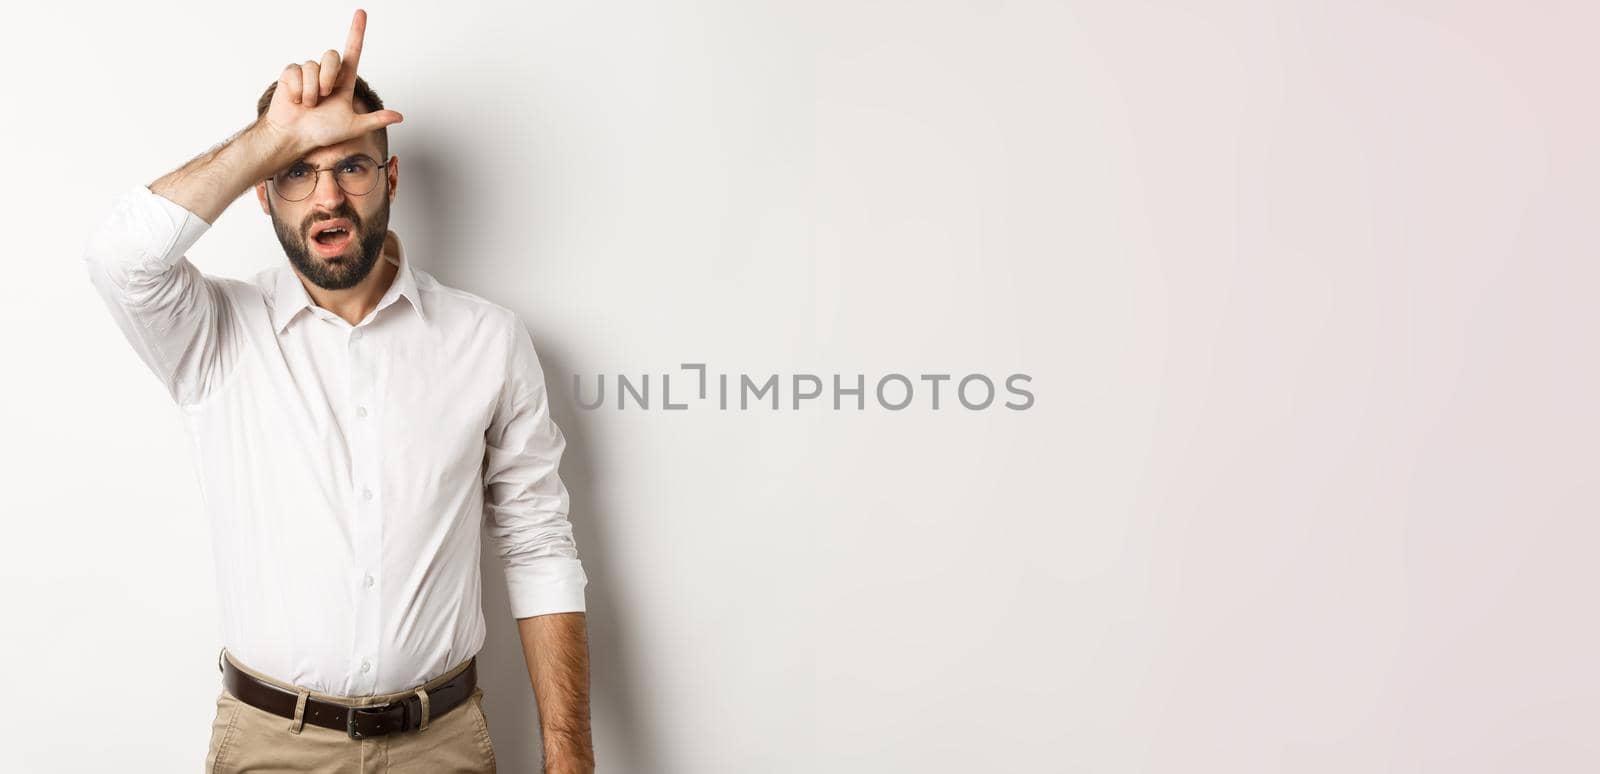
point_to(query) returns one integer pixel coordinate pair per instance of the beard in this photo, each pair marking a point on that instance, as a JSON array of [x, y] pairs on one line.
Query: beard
[[341, 271]]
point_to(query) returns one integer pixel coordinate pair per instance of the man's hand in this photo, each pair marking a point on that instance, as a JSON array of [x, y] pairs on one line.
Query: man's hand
[[314, 104]]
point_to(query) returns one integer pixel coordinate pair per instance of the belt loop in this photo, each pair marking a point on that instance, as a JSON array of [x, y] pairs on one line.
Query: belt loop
[[422, 693], [299, 712]]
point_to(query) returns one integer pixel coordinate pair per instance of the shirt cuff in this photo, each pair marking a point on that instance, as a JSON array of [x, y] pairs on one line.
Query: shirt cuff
[[170, 227], [547, 584]]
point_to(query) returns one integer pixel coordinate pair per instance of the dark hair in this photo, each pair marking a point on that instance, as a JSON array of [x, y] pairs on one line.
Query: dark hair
[[365, 97]]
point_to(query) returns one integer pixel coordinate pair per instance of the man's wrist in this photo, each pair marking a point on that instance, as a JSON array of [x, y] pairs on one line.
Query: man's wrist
[[568, 757], [568, 765], [277, 146]]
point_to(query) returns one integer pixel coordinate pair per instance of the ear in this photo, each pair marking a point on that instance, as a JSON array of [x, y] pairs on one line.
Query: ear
[[261, 196], [392, 176]]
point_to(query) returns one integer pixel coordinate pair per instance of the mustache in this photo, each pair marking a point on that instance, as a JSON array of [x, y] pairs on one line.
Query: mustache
[[355, 222]]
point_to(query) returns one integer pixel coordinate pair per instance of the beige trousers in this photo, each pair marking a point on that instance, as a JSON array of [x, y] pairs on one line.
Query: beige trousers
[[245, 738]]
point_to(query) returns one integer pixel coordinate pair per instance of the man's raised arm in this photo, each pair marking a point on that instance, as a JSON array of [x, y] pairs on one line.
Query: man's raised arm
[[175, 317], [213, 180]]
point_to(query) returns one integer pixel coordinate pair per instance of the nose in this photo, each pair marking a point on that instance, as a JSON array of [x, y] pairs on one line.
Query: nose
[[327, 191]]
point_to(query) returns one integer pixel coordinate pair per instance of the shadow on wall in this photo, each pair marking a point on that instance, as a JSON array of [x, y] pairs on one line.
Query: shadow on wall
[[439, 202]]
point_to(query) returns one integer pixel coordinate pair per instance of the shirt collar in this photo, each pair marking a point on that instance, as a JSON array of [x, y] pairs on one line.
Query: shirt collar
[[291, 295]]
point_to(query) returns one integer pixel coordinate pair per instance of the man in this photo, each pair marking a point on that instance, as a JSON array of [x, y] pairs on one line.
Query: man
[[355, 424]]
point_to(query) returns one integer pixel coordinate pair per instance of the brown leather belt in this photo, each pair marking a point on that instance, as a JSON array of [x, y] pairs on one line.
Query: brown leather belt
[[359, 722]]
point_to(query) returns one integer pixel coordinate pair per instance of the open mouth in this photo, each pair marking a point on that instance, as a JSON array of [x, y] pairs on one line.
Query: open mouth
[[332, 241]]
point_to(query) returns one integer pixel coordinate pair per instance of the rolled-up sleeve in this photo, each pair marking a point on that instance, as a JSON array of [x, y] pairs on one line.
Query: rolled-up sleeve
[[172, 314], [525, 505]]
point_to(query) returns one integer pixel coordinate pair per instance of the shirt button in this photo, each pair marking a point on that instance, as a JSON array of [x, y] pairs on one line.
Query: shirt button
[[366, 492], [361, 411], [369, 581], [365, 666]]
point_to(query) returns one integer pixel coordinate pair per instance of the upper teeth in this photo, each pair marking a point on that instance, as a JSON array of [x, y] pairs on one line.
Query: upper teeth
[[333, 230]]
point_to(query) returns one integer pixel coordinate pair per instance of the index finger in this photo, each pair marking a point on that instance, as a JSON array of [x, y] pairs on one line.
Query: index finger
[[352, 48]]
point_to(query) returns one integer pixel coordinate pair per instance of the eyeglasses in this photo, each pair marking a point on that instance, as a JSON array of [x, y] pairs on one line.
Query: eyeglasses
[[356, 175]]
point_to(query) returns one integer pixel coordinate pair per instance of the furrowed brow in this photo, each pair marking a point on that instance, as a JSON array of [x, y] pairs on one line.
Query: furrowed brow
[[346, 159]]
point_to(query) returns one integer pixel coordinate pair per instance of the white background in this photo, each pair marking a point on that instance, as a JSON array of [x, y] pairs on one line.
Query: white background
[[1306, 291]]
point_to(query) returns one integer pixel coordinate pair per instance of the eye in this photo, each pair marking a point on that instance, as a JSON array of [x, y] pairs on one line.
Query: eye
[[295, 173]]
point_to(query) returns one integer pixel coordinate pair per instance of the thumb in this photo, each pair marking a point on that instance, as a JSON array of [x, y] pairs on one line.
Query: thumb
[[371, 122]]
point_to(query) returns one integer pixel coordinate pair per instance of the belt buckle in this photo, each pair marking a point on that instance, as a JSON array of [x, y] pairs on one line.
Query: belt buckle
[[386, 710]]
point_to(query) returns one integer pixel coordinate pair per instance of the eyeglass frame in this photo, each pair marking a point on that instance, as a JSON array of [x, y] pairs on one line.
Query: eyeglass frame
[[316, 173]]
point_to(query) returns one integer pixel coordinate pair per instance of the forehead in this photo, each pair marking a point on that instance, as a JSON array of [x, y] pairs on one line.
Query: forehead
[[329, 154]]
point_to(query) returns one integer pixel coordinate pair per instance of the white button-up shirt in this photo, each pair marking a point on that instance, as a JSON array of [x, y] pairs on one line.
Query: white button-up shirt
[[347, 471]]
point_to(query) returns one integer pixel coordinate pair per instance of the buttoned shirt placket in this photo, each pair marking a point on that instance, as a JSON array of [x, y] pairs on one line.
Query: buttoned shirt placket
[[363, 361]]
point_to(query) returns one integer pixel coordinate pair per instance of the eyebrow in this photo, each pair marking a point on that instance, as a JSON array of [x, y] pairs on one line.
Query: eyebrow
[[361, 155]]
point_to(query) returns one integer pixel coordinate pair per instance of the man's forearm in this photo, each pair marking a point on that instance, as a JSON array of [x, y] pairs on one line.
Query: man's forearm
[[209, 182], [557, 651]]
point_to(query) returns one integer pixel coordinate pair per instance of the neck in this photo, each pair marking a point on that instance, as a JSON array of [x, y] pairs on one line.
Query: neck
[[353, 304]]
